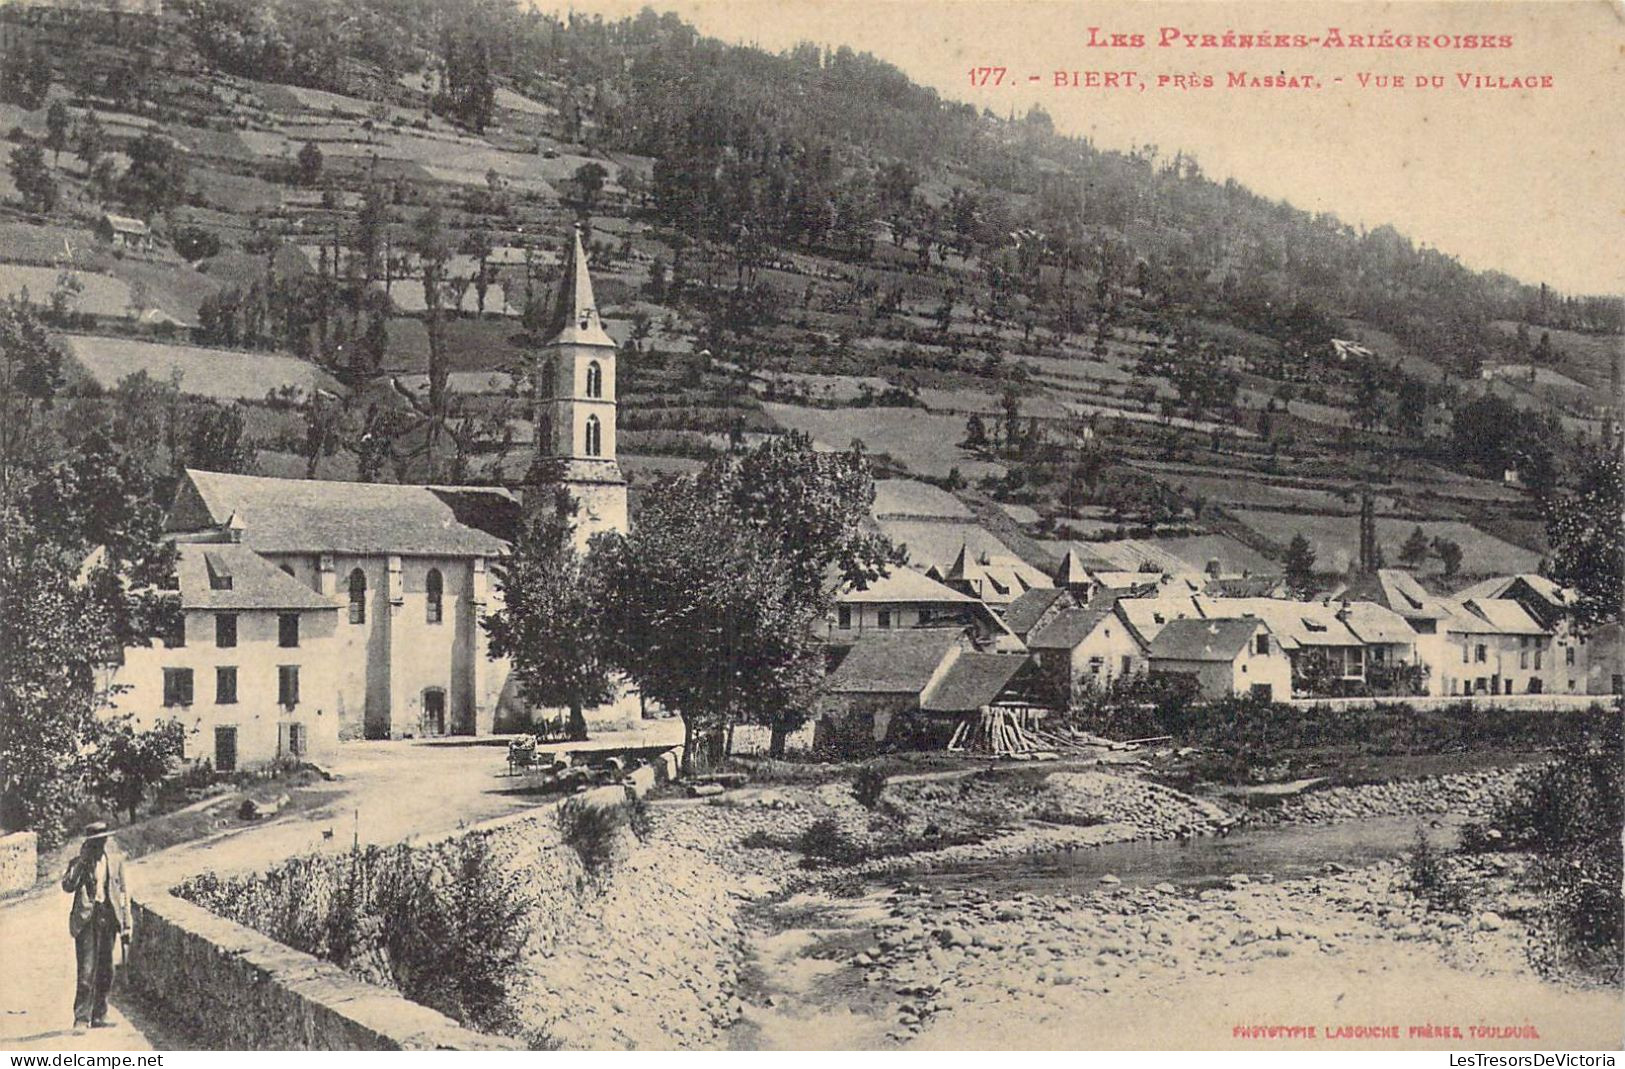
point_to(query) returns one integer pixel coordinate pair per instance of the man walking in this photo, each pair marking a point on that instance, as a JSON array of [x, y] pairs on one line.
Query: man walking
[[100, 914]]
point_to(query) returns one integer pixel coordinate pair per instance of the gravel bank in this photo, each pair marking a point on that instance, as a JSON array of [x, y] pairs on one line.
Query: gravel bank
[[1474, 794]]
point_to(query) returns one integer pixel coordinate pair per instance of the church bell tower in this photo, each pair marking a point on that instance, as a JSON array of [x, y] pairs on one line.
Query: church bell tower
[[575, 408]]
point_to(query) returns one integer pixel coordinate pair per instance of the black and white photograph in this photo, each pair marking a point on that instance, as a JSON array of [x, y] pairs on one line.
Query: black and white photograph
[[811, 525]]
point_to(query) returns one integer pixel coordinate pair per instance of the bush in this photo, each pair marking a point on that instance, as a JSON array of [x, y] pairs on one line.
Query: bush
[[640, 816], [825, 841], [195, 243], [867, 786], [1569, 813], [1430, 880], [590, 831]]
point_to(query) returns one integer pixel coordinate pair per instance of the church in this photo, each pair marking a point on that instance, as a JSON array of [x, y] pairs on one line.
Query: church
[[320, 611]]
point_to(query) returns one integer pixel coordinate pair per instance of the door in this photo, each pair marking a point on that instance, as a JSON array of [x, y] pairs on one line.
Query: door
[[434, 711], [225, 749], [291, 739]]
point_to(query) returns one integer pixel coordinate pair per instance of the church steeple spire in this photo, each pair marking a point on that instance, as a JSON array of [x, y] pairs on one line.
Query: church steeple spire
[[574, 319]]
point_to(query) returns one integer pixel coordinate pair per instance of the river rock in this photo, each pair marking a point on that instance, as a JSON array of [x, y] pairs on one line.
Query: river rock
[[1490, 921], [1110, 880]]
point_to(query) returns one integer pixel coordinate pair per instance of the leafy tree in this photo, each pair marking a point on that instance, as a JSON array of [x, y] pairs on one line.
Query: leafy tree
[[58, 121], [550, 622], [586, 183], [1300, 566], [1416, 548], [32, 178], [714, 597], [1585, 530], [309, 162], [155, 180], [128, 761], [195, 243], [1449, 553], [25, 79]]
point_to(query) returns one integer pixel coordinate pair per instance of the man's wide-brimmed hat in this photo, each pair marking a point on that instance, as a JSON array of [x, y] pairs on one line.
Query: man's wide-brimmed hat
[[97, 830]]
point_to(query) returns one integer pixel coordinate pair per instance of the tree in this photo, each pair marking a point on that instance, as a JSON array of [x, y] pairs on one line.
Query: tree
[[310, 164], [1300, 566], [155, 180], [89, 141], [549, 625], [58, 121], [1449, 553], [433, 250], [32, 178], [126, 761], [1585, 530], [25, 79], [1414, 552], [586, 183], [712, 600]]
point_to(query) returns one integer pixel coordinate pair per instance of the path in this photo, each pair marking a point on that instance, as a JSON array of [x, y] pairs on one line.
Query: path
[[385, 792]]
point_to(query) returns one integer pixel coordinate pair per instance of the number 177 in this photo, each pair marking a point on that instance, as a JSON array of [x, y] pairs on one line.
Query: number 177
[[980, 76]]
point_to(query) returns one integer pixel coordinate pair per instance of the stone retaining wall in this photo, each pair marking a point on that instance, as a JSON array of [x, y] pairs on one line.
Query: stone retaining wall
[[230, 988], [1553, 703], [19, 861]]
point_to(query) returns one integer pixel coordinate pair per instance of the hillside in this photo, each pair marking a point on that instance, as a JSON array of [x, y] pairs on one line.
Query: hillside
[[1103, 344]]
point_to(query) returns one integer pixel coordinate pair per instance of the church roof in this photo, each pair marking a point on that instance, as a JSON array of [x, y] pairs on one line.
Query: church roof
[[315, 516], [231, 577], [574, 319]]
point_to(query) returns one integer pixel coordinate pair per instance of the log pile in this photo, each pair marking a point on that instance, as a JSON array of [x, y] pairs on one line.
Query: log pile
[[1000, 732]]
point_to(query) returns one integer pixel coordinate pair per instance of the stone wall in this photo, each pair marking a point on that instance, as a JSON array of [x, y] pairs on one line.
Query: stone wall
[[18, 862], [228, 987], [1554, 703]]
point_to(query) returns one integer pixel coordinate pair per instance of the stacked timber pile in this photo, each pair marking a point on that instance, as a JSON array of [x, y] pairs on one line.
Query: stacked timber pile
[[1000, 733]]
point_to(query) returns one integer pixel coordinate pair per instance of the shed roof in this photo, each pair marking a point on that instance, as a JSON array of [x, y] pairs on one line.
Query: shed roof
[[124, 224], [314, 516], [893, 662], [1203, 640], [972, 681]]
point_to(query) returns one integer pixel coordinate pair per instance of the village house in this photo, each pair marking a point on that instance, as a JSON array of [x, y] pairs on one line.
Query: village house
[[1328, 659], [1229, 657], [1086, 650], [910, 688], [124, 232], [1576, 665], [1035, 608], [249, 669], [905, 598], [1426, 615], [995, 579]]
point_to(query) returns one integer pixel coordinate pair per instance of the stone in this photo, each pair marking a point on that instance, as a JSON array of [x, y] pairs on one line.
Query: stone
[[1110, 880], [1165, 889], [1490, 921]]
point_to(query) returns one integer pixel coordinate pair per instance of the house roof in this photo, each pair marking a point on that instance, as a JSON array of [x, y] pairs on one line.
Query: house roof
[[1505, 616], [1023, 614], [1246, 586], [972, 681], [124, 224], [1294, 623], [1373, 623], [893, 662], [1148, 616], [997, 579], [1072, 571], [1203, 640], [908, 586], [314, 516], [254, 582], [1070, 627]]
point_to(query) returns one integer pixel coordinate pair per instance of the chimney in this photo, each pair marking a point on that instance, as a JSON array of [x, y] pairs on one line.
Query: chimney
[[1213, 567]]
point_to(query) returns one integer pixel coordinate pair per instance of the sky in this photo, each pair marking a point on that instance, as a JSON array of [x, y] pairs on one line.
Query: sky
[[1525, 180]]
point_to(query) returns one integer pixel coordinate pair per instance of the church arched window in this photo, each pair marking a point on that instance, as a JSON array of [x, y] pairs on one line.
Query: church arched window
[[595, 441], [595, 380], [434, 586], [358, 596]]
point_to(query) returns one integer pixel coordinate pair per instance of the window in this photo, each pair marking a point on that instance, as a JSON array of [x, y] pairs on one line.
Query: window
[[1539, 656], [287, 569], [1479, 653], [1262, 645], [1568, 655], [1523, 658], [175, 634], [287, 630], [358, 596], [433, 606], [225, 686], [595, 442], [291, 740], [1464, 654], [177, 686], [595, 380], [884, 619], [843, 617], [225, 749], [1128, 664], [1095, 665], [225, 629], [287, 685]]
